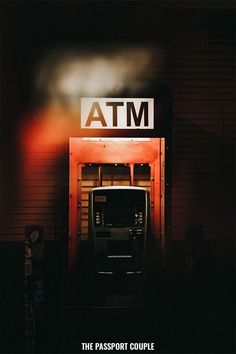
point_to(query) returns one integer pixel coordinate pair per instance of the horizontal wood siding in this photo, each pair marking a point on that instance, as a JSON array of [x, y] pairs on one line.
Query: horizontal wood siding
[[198, 66], [203, 83], [36, 197]]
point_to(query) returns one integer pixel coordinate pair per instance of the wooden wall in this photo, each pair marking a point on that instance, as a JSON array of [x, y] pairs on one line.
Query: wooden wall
[[201, 75], [198, 66]]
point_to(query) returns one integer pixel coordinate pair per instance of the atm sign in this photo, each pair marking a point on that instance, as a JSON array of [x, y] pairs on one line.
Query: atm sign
[[117, 113]]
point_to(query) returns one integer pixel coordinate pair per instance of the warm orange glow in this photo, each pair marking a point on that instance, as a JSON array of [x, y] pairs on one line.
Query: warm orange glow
[[116, 139], [43, 139], [50, 126], [109, 151]]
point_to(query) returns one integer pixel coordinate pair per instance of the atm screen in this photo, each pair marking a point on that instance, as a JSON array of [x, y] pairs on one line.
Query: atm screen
[[119, 208], [119, 217]]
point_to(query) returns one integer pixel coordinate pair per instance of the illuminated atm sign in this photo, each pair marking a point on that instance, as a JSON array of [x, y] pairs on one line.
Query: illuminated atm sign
[[117, 113]]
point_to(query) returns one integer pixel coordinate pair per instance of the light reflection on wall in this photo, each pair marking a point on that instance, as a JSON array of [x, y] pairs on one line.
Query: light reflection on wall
[[65, 76], [61, 79]]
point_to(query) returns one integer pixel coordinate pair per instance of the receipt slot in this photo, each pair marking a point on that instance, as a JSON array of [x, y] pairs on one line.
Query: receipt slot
[[118, 224]]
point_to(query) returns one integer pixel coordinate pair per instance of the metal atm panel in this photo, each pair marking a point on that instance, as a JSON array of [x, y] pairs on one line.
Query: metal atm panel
[[119, 222]]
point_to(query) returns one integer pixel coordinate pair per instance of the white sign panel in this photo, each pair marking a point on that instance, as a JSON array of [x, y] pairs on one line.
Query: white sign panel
[[117, 113]]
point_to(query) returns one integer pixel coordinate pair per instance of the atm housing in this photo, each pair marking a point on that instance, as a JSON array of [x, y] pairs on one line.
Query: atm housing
[[128, 164]]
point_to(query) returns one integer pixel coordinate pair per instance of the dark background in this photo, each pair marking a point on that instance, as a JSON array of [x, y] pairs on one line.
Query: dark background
[[193, 313]]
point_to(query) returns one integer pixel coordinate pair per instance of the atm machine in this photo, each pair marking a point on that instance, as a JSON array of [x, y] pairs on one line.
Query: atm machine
[[119, 223], [118, 228]]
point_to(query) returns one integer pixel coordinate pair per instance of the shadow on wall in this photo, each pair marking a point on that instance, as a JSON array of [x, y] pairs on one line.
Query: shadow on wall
[[202, 178]]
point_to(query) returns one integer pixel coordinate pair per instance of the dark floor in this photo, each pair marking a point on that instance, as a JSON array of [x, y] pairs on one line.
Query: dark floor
[[190, 314]]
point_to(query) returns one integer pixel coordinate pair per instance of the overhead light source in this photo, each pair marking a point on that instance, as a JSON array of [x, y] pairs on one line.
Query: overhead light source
[[117, 139]]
